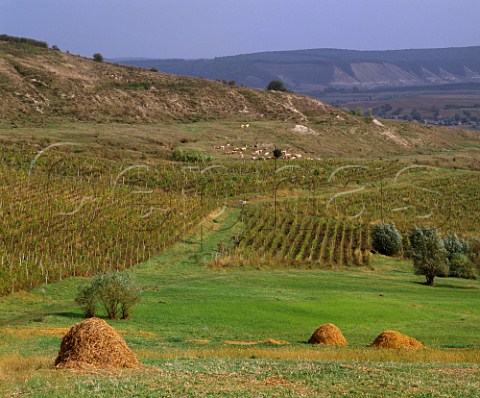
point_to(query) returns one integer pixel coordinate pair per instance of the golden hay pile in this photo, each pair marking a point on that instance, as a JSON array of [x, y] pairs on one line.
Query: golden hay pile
[[391, 339], [327, 334], [93, 344]]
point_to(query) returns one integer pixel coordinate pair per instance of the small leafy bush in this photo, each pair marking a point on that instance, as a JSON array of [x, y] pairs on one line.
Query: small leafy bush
[[87, 299], [97, 57], [118, 292], [458, 251], [462, 267], [454, 245], [180, 155], [276, 85], [386, 239]]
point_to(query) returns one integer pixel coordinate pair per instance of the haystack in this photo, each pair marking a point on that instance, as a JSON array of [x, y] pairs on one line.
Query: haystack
[[391, 339], [327, 334], [93, 344]]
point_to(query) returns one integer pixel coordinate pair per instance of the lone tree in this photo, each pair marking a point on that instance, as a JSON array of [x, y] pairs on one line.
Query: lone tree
[[277, 85], [386, 239], [97, 57], [118, 292], [428, 253]]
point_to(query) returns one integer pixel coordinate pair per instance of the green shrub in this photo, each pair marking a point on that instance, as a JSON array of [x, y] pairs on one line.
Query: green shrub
[[428, 253], [87, 298], [276, 85], [386, 239], [179, 155], [462, 267], [458, 251], [454, 245], [116, 291], [97, 57]]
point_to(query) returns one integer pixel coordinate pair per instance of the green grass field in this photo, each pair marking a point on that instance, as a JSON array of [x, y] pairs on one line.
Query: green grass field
[[196, 325]]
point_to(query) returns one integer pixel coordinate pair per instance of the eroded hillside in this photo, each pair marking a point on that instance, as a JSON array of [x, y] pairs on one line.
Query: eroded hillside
[[42, 84]]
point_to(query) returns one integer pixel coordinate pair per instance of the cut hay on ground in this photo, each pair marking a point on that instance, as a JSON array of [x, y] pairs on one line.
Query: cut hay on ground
[[327, 334], [236, 342], [267, 341], [392, 339], [198, 341], [93, 344], [275, 342]]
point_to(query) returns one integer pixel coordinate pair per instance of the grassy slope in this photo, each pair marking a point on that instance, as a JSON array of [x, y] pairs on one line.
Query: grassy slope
[[185, 300], [41, 85], [336, 138]]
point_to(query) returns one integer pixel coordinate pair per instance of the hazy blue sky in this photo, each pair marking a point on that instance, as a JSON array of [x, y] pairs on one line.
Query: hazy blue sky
[[209, 28]]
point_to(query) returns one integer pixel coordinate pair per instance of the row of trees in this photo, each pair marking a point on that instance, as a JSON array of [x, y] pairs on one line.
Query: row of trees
[[432, 256], [23, 40]]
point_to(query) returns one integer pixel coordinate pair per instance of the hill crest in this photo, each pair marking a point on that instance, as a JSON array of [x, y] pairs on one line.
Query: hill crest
[[40, 84]]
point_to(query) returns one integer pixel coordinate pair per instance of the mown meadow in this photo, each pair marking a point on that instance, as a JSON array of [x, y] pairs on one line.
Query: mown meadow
[[205, 330]]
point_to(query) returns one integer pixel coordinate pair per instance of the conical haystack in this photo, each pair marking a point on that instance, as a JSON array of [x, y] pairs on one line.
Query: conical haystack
[[93, 344], [327, 334], [391, 339]]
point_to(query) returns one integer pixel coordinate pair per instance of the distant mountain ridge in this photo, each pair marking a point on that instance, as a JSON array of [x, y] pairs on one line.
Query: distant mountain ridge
[[320, 70]]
